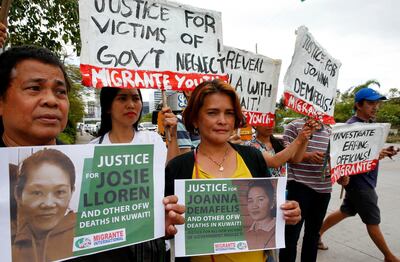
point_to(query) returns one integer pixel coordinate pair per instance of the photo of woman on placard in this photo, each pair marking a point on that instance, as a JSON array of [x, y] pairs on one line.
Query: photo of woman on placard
[[45, 227], [261, 206]]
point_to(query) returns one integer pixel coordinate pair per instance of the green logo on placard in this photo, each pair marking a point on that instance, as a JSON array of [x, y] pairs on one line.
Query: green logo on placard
[[83, 242]]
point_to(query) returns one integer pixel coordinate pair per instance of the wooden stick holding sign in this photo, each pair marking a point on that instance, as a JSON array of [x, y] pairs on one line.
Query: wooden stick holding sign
[[5, 8], [172, 250], [165, 104], [341, 192]]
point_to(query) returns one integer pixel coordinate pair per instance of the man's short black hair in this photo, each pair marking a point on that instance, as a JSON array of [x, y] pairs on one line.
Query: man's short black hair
[[13, 56]]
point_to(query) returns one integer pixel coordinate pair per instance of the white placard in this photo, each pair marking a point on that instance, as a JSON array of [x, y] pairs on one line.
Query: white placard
[[354, 148], [255, 78], [148, 44], [311, 79]]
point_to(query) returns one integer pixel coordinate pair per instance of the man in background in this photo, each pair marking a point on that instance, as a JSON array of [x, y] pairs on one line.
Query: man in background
[[361, 197]]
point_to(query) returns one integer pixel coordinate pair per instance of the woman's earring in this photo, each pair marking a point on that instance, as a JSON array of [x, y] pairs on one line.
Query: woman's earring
[[196, 131]]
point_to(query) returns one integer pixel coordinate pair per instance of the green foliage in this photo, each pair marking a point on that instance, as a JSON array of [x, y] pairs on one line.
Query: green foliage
[[343, 110], [366, 84], [394, 93], [345, 101], [389, 112], [280, 114], [69, 134], [348, 95], [52, 24], [146, 118], [76, 106]]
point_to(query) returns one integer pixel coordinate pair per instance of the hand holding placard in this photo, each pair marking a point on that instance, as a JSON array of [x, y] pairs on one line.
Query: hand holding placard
[[291, 212], [388, 152], [173, 215]]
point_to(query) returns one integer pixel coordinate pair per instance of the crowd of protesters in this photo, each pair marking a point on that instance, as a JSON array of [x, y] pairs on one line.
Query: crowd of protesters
[[34, 109]]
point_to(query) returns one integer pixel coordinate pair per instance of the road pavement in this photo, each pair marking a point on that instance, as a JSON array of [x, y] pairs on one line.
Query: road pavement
[[84, 138], [349, 240]]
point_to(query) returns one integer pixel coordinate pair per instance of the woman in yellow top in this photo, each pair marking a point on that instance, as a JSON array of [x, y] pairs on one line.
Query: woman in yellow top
[[214, 112]]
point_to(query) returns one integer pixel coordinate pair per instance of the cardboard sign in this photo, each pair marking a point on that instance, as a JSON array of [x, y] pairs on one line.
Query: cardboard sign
[[230, 215], [355, 148], [311, 79], [255, 78], [148, 44], [82, 199]]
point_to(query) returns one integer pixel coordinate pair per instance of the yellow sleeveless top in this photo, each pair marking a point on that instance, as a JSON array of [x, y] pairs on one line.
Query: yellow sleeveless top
[[254, 256]]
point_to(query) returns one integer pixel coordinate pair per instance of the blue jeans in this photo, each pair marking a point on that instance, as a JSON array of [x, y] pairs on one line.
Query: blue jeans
[[313, 209]]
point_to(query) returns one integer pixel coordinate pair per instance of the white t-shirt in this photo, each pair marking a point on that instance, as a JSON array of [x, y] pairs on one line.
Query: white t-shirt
[[141, 137]]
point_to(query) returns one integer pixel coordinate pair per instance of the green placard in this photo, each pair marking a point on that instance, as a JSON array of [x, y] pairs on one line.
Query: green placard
[[116, 199]]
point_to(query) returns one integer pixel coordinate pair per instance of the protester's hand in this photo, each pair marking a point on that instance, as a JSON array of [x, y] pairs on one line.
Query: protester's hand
[[315, 157], [308, 130], [170, 120], [344, 180], [384, 153], [173, 215], [291, 212], [3, 34], [388, 152], [235, 138]]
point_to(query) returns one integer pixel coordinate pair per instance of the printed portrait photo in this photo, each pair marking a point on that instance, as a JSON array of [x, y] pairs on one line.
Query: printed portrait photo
[[258, 208], [42, 223]]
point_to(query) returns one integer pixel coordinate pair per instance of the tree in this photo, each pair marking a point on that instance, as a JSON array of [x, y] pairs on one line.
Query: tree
[[366, 84], [282, 112], [394, 93], [76, 106], [53, 24], [390, 110], [343, 110], [345, 101], [146, 118]]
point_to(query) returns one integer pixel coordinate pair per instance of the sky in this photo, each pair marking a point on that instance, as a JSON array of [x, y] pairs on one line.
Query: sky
[[363, 34]]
